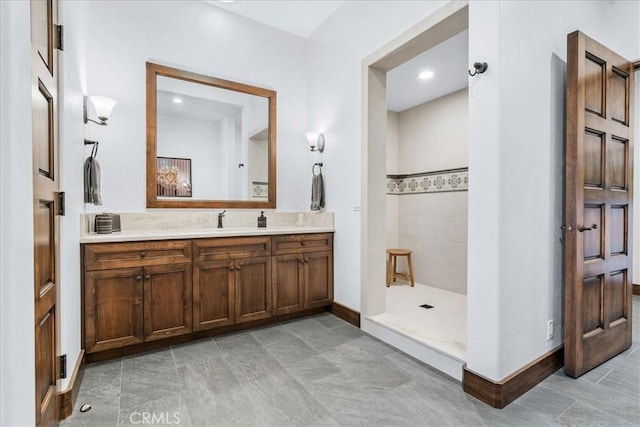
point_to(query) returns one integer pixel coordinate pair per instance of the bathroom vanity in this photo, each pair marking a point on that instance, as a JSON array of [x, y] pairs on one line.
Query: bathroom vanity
[[146, 289]]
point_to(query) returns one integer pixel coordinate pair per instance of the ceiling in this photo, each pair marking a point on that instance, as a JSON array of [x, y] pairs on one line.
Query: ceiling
[[448, 61], [300, 17]]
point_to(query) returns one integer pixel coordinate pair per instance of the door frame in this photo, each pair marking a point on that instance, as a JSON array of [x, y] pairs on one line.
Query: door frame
[[440, 25]]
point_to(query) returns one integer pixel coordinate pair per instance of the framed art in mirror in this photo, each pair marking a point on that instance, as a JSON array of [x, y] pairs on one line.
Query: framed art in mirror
[[211, 143], [173, 178]]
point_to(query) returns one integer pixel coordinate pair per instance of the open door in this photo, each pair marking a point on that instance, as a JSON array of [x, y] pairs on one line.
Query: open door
[[598, 204], [46, 209]]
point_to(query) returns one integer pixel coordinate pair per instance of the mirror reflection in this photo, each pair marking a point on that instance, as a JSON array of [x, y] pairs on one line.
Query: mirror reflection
[[209, 142]]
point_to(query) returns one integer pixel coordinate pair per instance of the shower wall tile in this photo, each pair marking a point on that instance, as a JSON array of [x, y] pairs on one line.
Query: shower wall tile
[[434, 227], [427, 183]]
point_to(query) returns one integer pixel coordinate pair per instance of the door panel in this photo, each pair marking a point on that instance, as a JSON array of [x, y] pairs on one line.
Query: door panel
[[42, 31], [113, 308], [213, 294], [46, 369], [288, 279], [253, 289], [319, 278], [598, 204], [44, 100], [45, 246], [165, 286]]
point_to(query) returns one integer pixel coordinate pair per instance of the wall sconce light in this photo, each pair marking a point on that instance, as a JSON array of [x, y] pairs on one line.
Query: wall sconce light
[[316, 141], [103, 107]]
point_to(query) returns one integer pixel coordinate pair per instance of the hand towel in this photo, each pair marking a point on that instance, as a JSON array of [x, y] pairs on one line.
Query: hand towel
[[317, 192], [92, 181]]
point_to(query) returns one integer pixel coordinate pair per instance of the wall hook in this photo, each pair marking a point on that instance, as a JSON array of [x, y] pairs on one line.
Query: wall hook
[[480, 67]]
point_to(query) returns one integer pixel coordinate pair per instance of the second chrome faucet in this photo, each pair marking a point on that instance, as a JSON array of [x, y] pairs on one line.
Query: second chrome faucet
[[220, 216]]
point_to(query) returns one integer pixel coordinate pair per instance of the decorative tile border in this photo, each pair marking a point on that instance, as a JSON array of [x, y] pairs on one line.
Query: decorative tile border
[[260, 189], [429, 182]]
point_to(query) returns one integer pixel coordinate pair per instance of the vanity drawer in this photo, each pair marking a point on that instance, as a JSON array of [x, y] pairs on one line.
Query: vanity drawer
[[297, 243], [102, 256], [231, 248]]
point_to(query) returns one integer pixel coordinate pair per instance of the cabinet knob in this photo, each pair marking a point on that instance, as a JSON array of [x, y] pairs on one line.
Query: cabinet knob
[[303, 243], [238, 268], [231, 267], [138, 277], [143, 254], [301, 260], [147, 277], [306, 260]]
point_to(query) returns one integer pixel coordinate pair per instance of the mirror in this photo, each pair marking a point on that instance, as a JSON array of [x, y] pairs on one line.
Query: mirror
[[211, 143]]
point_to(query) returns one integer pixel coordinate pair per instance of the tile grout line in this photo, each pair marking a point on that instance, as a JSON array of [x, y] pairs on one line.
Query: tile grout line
[[175, 365], [563, 412], [120, 399], [605, 376]]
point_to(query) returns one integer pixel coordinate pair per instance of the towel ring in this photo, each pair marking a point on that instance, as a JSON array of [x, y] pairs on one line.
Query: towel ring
[[94, 150], [313, 168]]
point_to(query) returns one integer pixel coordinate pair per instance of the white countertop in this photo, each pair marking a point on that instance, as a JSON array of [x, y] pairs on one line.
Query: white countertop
[[195, 233]]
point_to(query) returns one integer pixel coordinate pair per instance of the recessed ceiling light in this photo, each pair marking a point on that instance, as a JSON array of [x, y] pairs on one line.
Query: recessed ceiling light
[[425, 75], [177, 100], [227, 1]]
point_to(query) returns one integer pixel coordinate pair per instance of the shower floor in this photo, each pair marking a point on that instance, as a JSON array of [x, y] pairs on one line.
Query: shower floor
[[443, 327]]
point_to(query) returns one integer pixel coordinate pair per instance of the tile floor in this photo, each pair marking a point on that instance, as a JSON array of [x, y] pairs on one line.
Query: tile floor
[[323, 371]]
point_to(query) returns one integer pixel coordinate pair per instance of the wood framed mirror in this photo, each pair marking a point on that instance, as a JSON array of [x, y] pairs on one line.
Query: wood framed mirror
[[223, 130]]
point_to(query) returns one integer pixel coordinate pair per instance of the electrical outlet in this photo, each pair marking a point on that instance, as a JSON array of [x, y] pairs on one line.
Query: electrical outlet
[[550, 329]]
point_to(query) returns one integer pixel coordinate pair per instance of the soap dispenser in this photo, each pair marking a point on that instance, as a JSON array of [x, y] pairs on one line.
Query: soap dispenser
[[262, 220]]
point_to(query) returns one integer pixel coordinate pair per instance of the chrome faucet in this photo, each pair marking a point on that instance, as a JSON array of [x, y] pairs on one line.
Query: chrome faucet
[[220, 216]]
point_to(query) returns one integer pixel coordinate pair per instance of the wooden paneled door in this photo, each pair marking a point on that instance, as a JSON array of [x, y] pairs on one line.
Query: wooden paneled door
[[598, 204], [46, 177]]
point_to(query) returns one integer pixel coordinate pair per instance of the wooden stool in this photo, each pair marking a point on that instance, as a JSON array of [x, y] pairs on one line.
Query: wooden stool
[[392, 266]]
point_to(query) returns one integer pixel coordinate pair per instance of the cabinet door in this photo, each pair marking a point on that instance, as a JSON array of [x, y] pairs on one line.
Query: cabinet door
[[318, 278], [253, 289], [288, 279], [213, 292], [113, 308], [167, 301]]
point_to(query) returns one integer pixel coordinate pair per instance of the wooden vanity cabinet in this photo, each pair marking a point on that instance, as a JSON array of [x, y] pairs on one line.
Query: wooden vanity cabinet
[[140, 292], [302, 272], [136, 292], [232, 280]]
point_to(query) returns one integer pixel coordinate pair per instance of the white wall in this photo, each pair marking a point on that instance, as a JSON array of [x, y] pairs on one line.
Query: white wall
[[17, 376], [202, 38], [517, 130], [434, 136], [335, 54], [73, 81]]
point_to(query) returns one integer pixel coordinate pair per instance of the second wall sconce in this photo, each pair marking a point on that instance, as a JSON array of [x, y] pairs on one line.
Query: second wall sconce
[[103, 107], [316, 141]]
